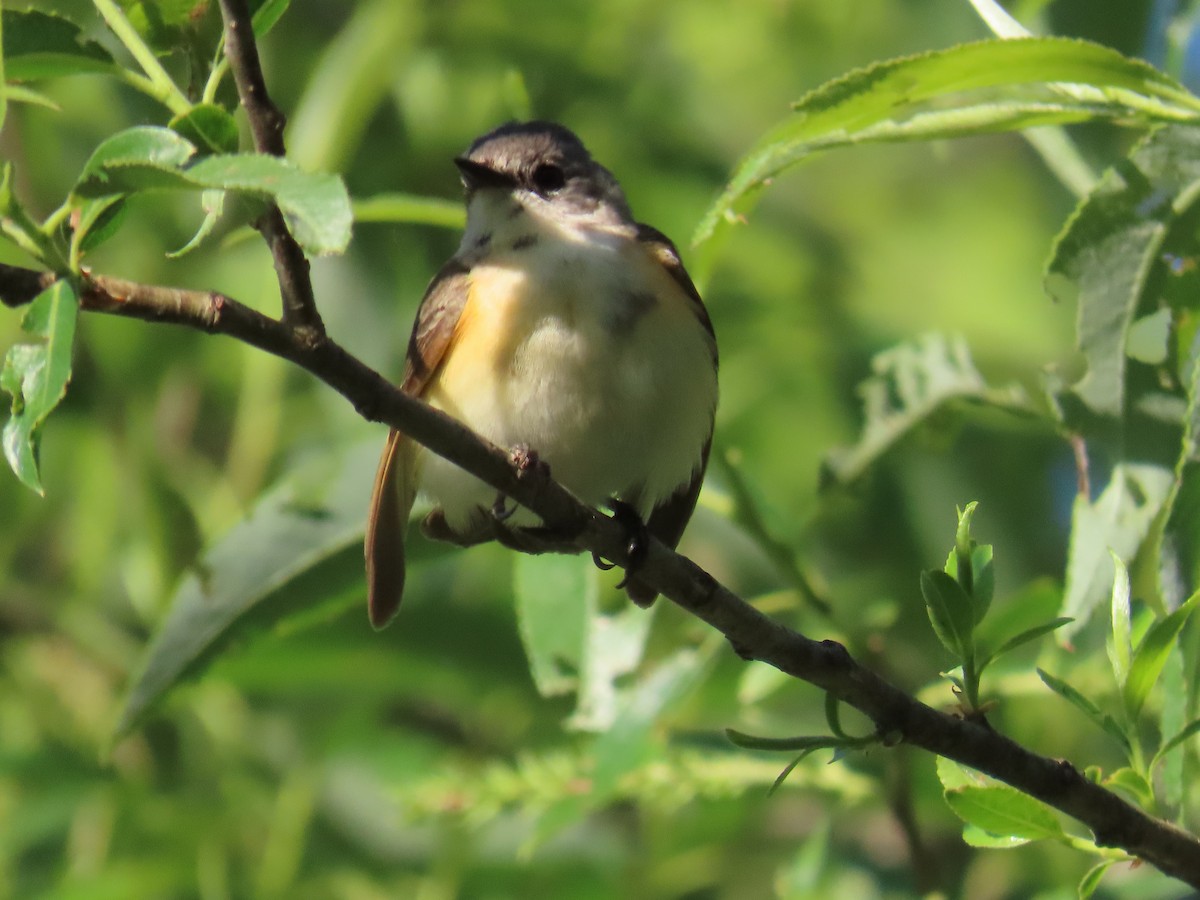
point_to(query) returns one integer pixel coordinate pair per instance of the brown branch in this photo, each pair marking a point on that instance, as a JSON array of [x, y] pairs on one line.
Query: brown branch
[[826, 664], [266, 125]]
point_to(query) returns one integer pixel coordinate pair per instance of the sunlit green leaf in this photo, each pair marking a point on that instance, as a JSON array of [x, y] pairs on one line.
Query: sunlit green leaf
[[1152, 654], [1120, 646], [970, 89], [315, 206], [1005, 812], [36, 376]]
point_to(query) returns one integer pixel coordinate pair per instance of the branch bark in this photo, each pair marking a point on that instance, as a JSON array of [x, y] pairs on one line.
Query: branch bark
[[266, 125], [754, 636]]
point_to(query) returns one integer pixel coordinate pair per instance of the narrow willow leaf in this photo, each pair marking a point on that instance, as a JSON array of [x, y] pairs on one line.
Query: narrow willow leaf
[[1152, 654], [1091, 880], [801, 742], [1172, 718], [950, 612], [970, 89], [909, 383], [1189, 731], [213, 204], [1120, 646], [1004, 811], [1031, 634], [310, 517], [267, 15], [1101, 720], [36, 375]]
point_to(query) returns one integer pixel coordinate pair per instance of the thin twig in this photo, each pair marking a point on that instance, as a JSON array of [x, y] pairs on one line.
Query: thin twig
[[266, 125], [753, 635]]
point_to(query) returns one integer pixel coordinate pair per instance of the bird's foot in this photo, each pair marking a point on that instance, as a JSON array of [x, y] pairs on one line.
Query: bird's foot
[[637, 538]]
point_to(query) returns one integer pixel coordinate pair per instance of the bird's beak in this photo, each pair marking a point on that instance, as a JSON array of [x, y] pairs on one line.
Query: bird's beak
[[476, 175]]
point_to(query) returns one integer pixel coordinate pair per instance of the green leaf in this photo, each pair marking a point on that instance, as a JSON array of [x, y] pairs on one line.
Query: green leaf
[[213, 204], [136, 159], [1091, 880], [974, 836], [962, 550], [98, 220], [238, 585], [950, 612], [1152, 654], [1103, 259], [209, 127], [36, 375], [984, 574], [974, 88], [1005, 812], [791, 744], [1119, 520], [1172, 719], [39, 45], [1120, 646], [1102, 720], [556, 596], [267, 15], [910, 383], [14, 93], [316, 206]]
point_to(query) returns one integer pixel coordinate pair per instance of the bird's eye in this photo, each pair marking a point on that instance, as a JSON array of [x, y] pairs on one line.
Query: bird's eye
[[548, 178]]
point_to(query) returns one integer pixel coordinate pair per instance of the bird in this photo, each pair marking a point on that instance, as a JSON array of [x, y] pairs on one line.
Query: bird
[[560, 325]]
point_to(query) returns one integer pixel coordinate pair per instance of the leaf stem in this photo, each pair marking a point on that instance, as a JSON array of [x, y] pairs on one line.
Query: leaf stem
[[158, 83]]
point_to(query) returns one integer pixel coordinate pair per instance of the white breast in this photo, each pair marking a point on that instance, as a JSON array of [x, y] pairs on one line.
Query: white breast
[[589, 353]]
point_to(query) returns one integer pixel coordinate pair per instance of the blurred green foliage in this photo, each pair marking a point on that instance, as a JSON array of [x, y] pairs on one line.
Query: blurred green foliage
[[315, 758]]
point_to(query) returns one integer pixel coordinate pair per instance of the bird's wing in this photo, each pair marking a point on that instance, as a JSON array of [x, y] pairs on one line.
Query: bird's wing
[[395, 480], [670, 517]]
